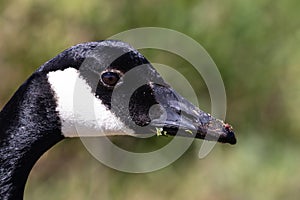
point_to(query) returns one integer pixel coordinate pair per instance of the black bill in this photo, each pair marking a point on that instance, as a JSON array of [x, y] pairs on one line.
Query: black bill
[[170, 114]]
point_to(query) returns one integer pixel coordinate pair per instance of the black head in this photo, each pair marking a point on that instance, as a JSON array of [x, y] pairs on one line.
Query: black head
[[129, 86]]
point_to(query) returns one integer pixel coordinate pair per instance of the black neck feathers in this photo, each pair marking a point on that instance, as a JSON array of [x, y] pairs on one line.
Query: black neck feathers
[[29, 126]]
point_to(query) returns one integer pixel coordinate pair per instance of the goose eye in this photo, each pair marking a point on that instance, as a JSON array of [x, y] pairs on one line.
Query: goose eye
[[110, 78]]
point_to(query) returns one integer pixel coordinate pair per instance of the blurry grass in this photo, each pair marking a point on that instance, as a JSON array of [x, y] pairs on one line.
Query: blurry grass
[[256, 168]]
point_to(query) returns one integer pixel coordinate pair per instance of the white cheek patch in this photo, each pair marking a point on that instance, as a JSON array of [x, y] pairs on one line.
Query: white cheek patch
[[81, 113]]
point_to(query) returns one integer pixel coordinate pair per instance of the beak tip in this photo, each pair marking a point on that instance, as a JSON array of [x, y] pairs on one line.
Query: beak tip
[[229, 138], [232, 140], [220, 132]]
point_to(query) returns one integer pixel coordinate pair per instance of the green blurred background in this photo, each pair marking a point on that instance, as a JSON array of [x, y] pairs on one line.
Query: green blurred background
[[255, 45]]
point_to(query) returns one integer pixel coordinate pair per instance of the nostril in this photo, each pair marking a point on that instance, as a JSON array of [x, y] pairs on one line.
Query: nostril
[[190, 117]]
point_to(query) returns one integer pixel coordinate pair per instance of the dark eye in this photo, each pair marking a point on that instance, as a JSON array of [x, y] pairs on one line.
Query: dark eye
[[110, 78]]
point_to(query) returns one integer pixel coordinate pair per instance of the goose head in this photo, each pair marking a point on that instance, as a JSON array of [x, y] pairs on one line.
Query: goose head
[[109, 88]]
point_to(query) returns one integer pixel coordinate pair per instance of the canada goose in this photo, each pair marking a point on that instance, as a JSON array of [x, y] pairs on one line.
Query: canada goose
[[43, 110]]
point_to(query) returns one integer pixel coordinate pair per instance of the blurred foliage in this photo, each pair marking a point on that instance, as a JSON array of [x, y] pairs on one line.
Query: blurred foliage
[[255, 45]]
